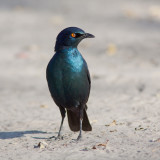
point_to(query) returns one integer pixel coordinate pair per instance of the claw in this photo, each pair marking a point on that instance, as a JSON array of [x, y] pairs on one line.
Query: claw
[[56, 138], [79, 138], [52, 137], [59, 137]]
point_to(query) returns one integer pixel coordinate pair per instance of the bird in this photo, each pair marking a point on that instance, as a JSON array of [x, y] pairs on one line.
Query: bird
[[69, 80]]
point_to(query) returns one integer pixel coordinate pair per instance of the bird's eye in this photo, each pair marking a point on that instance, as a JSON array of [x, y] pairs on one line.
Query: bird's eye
[[73, 35]]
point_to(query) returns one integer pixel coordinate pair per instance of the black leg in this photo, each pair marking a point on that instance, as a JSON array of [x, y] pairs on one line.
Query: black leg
[[63, 114], [59, 133], [81, 119]]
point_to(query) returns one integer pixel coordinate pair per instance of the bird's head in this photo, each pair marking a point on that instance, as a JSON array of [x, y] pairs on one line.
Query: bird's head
[[70, 37]]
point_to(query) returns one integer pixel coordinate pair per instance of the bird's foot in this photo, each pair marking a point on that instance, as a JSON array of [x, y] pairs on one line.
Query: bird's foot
[[59, 137], [79, 138], [52, 137]]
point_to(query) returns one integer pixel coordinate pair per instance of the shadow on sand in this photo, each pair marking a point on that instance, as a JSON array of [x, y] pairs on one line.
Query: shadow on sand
[[16, 134]]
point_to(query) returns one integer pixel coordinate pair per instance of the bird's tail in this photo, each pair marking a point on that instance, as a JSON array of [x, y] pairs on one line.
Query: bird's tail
[[74, 121]]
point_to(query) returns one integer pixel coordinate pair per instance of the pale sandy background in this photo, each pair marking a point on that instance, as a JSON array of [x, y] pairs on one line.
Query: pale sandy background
[[124, 62]]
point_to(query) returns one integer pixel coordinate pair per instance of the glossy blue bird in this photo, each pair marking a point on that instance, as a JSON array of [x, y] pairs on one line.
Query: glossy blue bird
[[69, 80]]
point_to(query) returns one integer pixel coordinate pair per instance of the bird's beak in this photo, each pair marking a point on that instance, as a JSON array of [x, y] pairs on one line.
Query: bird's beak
[[88, 35]]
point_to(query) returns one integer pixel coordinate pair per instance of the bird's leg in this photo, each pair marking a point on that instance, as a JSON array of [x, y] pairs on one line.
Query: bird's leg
[[63, 114], [81, 119], [59, 133]]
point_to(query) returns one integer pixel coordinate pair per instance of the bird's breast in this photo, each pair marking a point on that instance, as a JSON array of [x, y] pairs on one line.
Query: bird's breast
[[73, 60], [67, 79], [75, 63]]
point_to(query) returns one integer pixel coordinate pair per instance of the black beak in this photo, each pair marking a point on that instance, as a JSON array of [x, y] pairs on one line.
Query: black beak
[[88, 35]]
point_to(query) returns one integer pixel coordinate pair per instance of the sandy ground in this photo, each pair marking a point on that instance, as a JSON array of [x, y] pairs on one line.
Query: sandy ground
[[124, 62]]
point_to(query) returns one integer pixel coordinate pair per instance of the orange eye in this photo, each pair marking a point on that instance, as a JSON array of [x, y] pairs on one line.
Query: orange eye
[[73, 35]]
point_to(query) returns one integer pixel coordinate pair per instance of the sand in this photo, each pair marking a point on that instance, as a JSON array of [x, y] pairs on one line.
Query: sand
[[124, 63]]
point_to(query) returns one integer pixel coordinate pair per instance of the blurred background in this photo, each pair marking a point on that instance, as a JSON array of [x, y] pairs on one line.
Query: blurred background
[[124, 59]]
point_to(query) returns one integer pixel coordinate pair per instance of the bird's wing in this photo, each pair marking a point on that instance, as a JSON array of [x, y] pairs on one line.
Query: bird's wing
[[87, 72], [89, 81], [88, 78]]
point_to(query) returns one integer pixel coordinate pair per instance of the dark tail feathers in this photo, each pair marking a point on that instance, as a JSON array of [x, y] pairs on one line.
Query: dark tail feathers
[[74, 121]]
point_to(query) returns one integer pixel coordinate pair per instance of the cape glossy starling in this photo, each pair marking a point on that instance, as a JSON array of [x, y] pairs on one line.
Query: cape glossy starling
[[69, 79]]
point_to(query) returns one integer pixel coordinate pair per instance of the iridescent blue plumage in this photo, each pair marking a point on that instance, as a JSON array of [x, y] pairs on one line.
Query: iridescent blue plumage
[[69, 80]]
